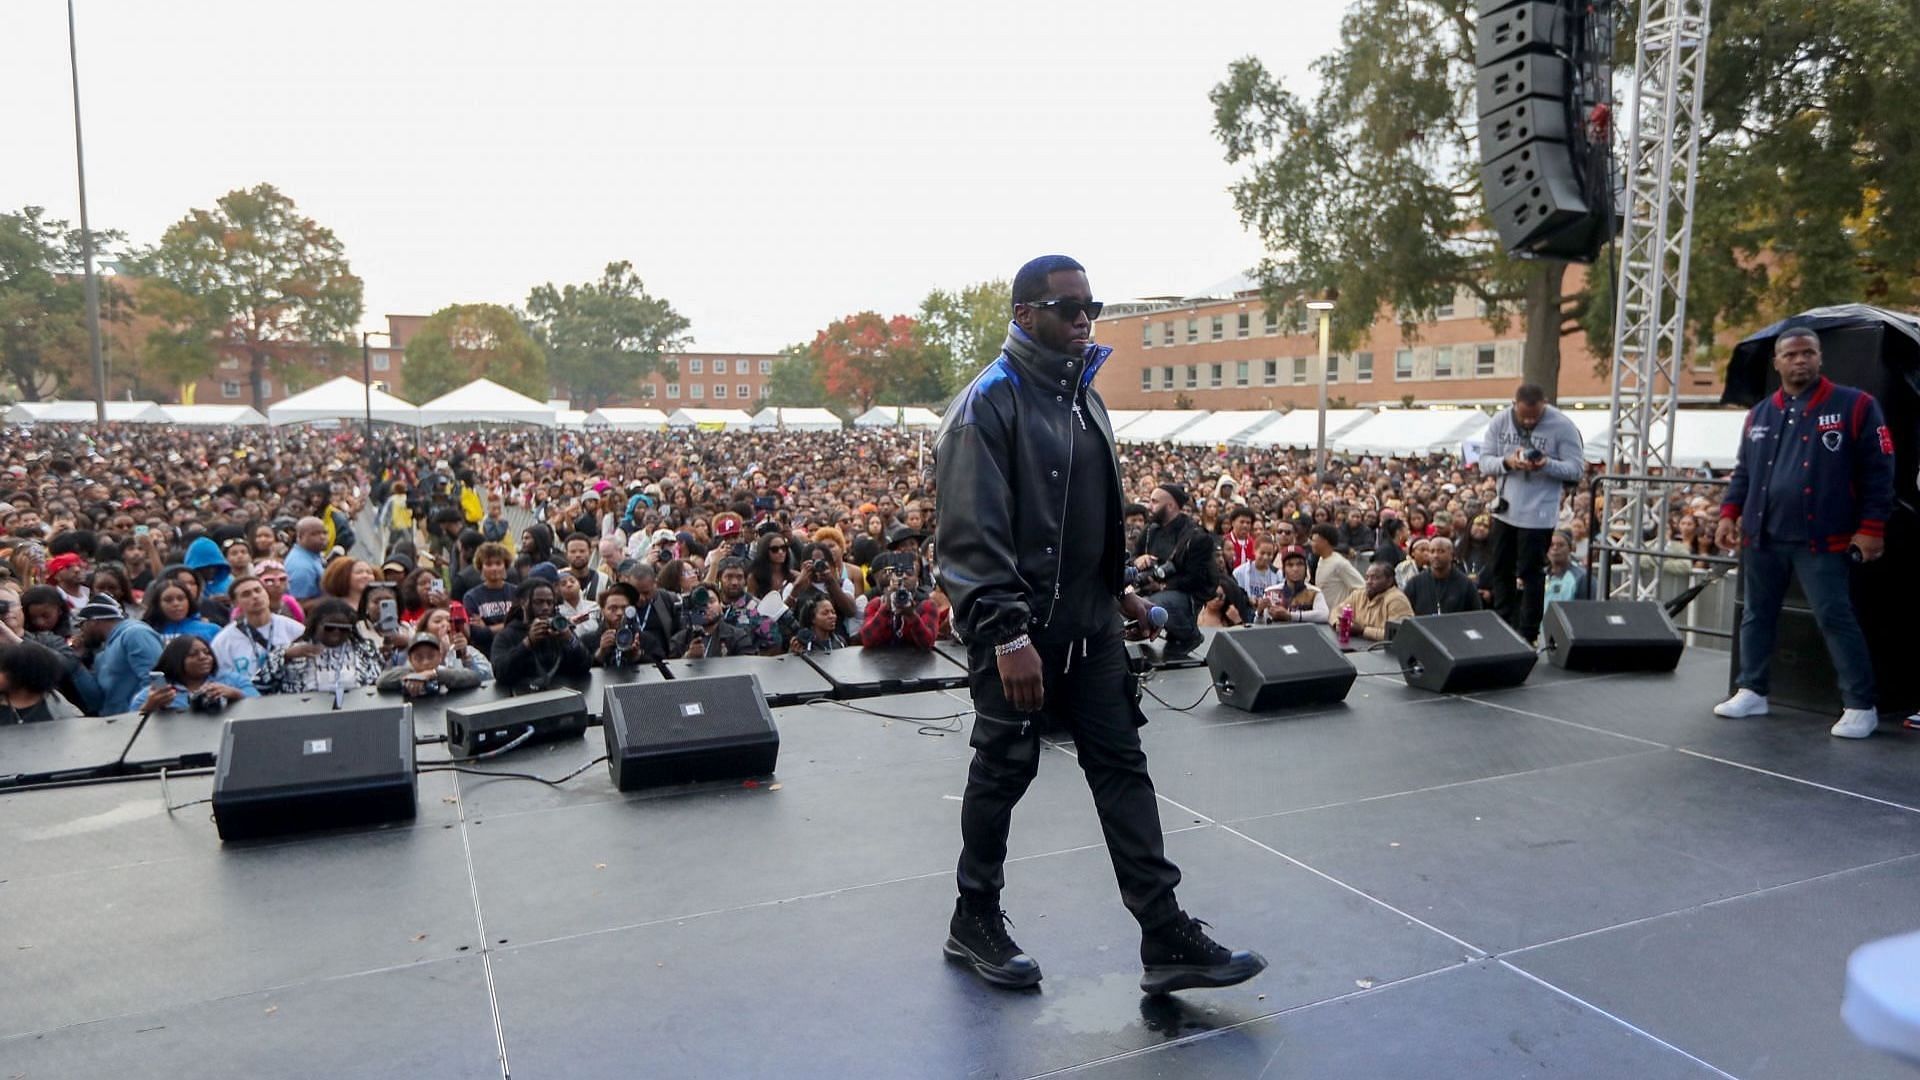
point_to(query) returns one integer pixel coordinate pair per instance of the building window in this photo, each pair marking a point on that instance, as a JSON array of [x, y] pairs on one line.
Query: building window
[[1444, 311], [230, 389], [1299, 371], [266, 387], [1273, 322], [1402, 364], [1242, 371], [1219, 327], [1483, 362], [720, 390], [1146, 378], [381, 361], [1333, 368], [1193, 331], [673, 390], [1218, 377], [1246, 325], [1271, 376], [719, 367], [743, 391], [1146, 334], [1363, 367], [766, 367], [696, 367], [1193, 376], [1166, 332], [1443, 362], [697, 391], [1166, 378], [765, 392]]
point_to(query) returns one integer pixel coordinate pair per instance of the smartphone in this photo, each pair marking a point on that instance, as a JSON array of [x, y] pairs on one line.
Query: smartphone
[[436, 588], [139, 530], [156, 681], [389, 618]]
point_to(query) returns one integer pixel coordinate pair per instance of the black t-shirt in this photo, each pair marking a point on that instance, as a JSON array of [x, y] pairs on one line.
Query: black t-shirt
[[1086, 606], [1437, 596]]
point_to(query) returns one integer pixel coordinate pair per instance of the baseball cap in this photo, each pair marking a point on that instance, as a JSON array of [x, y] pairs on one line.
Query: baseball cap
[[423, 639], [664, 536], [727, 527]]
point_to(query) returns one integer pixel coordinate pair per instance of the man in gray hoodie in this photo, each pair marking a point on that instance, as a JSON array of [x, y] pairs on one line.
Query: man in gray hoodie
[[1533, 451]]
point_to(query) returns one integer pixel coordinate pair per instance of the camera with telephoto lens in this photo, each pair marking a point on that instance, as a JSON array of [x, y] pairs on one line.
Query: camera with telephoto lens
[[902, 599], [1535, 455], [623, 635], [697, 613], [559, 624], [206, 701]]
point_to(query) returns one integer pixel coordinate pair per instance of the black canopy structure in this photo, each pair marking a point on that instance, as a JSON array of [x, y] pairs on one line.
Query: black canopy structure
[[1878, 351]]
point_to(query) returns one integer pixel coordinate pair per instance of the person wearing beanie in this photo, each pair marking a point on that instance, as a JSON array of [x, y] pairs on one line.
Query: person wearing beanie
[[1174, 559]]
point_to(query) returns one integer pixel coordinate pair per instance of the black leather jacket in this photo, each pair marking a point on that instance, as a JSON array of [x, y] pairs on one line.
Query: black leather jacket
[[1002, 467]]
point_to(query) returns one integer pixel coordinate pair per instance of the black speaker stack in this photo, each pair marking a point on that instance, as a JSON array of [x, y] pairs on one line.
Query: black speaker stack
[[1544, 94]]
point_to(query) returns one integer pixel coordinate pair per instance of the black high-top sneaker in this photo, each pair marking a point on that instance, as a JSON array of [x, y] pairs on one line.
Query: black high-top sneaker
[[978, 938], [1179, 955]]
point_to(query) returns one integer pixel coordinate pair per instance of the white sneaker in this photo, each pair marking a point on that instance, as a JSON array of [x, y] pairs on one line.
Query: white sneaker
[[1857, 723], [1744, 702]]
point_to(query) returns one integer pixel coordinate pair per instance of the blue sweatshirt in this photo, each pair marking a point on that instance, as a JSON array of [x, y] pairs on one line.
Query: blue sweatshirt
[[1533, 498], [1838, 446]]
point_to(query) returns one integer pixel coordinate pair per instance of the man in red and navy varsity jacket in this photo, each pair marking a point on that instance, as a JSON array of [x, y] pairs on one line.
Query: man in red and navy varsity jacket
[[1814, 479]]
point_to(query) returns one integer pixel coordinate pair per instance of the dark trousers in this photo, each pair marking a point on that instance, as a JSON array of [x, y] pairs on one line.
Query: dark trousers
[[1087, 695], [1518, 554], [1183, 615], [1827, 579]]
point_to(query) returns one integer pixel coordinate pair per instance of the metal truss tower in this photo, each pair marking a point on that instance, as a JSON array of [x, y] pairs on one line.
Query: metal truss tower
[[1649, 330]]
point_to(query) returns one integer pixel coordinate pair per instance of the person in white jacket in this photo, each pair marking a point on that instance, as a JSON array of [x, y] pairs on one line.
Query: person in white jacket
[[1533, 451]]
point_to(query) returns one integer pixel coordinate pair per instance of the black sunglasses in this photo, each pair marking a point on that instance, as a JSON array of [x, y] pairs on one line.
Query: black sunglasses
[[1070, 309]]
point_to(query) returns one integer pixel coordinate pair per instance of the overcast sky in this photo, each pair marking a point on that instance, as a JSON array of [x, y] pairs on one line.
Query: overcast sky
[[767, 167]]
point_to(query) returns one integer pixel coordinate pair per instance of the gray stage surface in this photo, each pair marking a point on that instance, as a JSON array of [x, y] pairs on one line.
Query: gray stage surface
[[1585, 876]]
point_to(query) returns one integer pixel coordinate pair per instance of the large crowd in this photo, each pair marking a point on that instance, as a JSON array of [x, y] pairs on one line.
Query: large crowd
[[146, 569]]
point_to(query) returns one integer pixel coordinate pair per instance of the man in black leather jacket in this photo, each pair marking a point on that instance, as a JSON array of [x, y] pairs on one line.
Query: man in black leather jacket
[[1031, 555], [1175, 558]]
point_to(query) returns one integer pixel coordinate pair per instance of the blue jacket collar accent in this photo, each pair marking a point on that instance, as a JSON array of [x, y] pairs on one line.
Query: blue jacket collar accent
[[1021, 348]]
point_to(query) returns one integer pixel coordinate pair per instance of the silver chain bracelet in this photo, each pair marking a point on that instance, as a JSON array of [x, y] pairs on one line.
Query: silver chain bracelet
[[1013, 646]]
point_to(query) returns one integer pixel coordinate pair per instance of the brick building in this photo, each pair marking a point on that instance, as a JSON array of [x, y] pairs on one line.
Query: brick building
[[1232, 352]]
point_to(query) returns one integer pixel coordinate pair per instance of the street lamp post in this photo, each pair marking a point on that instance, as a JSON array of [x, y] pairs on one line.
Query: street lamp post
[[1324, 308], [366, 372], [86, 232]]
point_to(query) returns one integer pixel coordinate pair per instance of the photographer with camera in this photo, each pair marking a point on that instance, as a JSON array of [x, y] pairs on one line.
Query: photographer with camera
[[1174, 563], [536, 647], [422, 674], [822, 576], [1533, 451], [621, 641], [903, 616], [187, 677], [713, 628]]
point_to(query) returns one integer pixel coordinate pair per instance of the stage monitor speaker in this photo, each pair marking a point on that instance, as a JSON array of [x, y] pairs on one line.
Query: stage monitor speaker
[[1259, 669], [1461, 653], [1505, 28], [544, 716], [1611, 635], [711, 728], [314, 770]]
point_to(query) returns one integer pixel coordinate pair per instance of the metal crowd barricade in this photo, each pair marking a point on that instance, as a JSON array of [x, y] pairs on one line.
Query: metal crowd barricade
[[1601, 548]]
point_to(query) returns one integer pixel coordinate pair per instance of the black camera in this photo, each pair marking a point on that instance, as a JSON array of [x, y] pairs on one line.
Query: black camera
[[819, 567], [1535, 455], [697, 614], [623, 636], [560, 624], [902, 599], [207, 701]]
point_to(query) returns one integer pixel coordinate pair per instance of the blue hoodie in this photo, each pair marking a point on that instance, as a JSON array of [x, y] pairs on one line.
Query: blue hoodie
[[204, 554]]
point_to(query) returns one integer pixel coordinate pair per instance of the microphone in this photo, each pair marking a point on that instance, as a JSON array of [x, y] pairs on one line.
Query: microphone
[[1156, 617]]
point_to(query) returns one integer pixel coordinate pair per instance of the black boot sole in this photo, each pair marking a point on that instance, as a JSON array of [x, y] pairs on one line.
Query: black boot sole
[[1166, 978], [990, 973]]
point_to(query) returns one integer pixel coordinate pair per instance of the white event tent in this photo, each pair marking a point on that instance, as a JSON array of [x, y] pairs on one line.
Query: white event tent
[[1402, 432], [1301, 428], [83, 412], [711, 420], [213, 415], [1225, 426], [906, 416], [771, 418], [344, 398], [1119, 418], [1160, 425], [484, 401], [622, 418]]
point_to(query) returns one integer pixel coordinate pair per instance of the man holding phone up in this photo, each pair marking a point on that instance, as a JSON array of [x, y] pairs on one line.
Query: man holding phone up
[[1534, 451]]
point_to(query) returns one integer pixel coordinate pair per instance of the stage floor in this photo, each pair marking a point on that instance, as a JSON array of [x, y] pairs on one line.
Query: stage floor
[[1587, 876]]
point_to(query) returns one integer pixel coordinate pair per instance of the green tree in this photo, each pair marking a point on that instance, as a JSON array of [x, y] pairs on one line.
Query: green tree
[[43, 329], [253, 276], [1806, 181], [463, 342], [965, 329], [865, 357], [1372, 188], [603, 337], [795, 382]]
